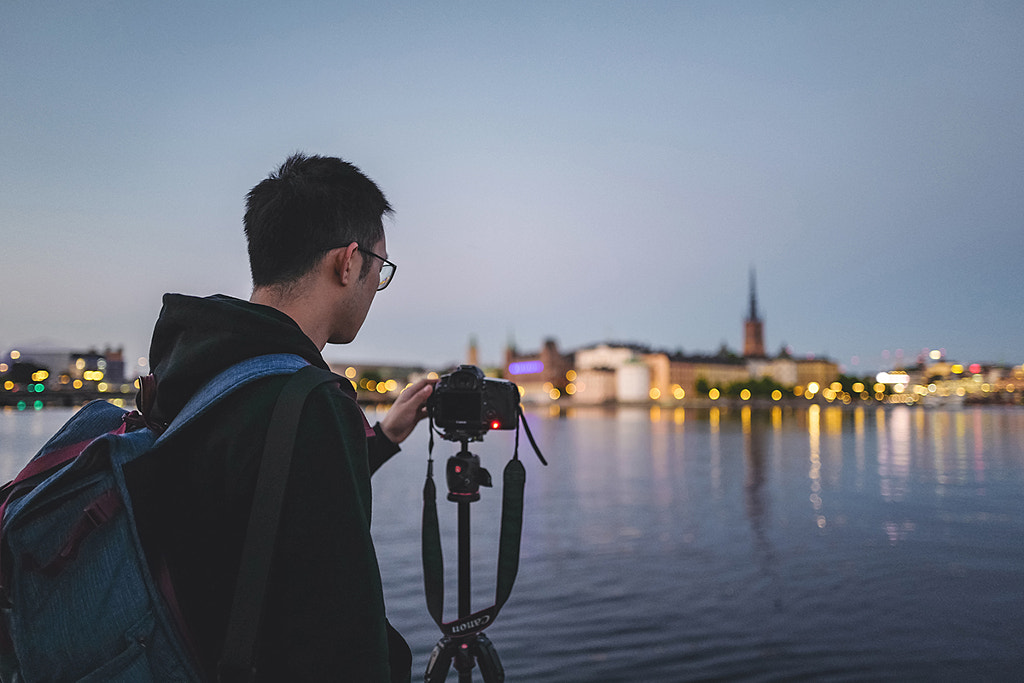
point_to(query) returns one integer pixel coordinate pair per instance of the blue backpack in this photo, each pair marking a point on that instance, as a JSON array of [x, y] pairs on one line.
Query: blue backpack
[[79, 599]]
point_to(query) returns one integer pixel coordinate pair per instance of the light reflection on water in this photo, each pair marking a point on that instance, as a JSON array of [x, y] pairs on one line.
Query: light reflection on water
[[678, 544]]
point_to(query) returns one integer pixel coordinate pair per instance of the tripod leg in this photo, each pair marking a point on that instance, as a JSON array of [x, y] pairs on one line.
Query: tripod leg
[[464, 561], [487, 658], [464, 654], [440, 661]]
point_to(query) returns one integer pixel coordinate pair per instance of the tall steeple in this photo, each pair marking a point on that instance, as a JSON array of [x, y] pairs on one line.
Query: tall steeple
[[753, 296], [753, 327]]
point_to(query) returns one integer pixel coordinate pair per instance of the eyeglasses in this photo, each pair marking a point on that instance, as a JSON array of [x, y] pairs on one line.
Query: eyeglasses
[[387, 269]]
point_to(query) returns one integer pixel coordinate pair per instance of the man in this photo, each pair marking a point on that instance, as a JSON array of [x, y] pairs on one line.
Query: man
[[318, 256]]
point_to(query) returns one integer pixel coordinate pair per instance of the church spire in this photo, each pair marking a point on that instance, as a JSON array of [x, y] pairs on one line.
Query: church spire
[[753, 327], [753, 295]]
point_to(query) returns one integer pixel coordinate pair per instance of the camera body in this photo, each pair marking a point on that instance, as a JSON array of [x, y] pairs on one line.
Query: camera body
[[465, 405]]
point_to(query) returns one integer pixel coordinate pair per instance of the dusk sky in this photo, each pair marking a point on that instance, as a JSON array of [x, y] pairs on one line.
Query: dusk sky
[[588, 171]]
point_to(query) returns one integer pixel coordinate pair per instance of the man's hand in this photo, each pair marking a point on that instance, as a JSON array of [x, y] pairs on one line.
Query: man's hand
[[410, 407]]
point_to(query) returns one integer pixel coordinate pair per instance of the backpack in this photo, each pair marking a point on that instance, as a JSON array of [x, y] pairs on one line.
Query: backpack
[[79, 599]]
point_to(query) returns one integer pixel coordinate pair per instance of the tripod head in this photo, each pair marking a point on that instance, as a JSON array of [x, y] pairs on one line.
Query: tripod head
[[465, 476]]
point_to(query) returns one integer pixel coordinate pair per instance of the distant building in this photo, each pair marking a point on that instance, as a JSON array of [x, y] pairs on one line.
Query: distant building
[[611, 374], [541, 375], [753, 327], [631, 373], [940, 381], [820, 370], [681, 374], [782, 369], [596, 386], [70, 368]]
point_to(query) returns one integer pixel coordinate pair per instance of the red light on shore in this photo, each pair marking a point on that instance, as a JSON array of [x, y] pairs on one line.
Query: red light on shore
[[975, 368]]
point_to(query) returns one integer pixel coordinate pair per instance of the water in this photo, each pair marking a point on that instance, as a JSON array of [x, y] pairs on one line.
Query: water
[[667, 545]]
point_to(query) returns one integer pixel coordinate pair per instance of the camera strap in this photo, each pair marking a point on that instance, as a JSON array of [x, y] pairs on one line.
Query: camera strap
[[529, 435], [513, 486]]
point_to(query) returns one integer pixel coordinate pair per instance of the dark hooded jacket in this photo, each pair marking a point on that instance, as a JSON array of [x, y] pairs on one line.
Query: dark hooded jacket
[[324, 617]]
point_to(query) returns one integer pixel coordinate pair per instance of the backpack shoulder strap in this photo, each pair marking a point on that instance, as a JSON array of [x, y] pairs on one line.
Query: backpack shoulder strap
[[239, 656], [234, 378]]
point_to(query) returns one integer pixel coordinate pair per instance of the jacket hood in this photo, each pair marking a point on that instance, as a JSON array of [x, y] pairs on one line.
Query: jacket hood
[[196, 338]]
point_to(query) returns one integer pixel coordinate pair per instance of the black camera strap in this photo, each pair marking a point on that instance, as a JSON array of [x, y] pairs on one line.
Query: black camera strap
[[513, 487], [529, 435]]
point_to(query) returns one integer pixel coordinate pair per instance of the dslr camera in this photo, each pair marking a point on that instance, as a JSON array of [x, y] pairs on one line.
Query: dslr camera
[[465, 404]]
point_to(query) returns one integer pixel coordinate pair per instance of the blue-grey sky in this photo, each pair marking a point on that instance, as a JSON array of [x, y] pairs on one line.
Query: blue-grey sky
[[587, 171]]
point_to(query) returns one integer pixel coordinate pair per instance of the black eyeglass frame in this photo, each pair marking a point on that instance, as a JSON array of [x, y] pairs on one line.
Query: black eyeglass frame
[[384, 281]]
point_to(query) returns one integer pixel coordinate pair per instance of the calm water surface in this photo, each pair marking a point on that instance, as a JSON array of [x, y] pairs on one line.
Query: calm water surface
[[733, 544]]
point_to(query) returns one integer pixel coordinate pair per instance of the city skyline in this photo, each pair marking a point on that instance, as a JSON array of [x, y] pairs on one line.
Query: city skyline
[[899, 359], [580, 171]]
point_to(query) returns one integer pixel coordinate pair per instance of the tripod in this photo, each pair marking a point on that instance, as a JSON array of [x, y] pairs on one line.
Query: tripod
[[465, 476]]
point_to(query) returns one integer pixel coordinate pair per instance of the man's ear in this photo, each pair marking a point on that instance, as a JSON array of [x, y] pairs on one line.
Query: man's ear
[[343, 264]]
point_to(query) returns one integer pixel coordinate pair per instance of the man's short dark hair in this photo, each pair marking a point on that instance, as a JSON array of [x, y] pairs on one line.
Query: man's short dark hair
[[309, 205]]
